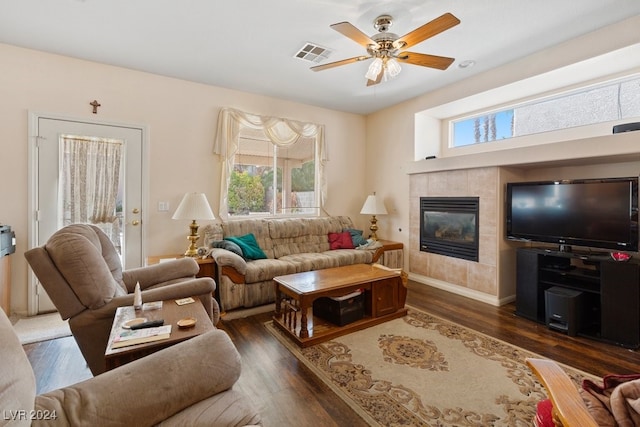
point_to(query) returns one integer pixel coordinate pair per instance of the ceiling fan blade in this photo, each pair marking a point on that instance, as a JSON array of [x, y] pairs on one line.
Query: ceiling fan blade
[[348, 30], [429, 29], [377, 80], [338, 63], [432, 61]]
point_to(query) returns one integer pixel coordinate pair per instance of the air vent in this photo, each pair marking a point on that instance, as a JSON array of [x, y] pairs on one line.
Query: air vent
[[313, 53]]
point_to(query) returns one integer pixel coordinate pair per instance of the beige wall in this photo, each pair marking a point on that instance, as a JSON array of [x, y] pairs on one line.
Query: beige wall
[[391, 142], [373, 154], [181, 117]]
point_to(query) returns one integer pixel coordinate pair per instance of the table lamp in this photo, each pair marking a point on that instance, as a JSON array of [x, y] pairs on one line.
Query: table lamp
[[194, 206], [374, 206]]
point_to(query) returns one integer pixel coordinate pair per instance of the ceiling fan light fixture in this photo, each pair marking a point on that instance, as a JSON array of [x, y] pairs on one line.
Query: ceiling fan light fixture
[[387, 49], [374, 69], [392, 67]]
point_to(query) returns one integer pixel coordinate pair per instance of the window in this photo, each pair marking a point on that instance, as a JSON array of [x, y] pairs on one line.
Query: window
[[271, 166], [90, 190], [614, 100], [271, 180]]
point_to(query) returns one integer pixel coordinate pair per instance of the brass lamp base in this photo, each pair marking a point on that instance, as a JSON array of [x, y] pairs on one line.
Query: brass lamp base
[[374, 227], [193, 237]]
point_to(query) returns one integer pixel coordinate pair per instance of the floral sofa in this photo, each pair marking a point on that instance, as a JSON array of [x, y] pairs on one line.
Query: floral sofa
[[289, 245]]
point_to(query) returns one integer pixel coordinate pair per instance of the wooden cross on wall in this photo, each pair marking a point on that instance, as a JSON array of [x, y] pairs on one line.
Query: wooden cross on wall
[[95, 104]]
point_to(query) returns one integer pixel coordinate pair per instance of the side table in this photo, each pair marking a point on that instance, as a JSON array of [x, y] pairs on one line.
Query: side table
[[170, 312]]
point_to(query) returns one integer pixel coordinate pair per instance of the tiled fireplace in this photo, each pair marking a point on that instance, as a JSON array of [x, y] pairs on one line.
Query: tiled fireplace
[[478, 278], [449, 226]]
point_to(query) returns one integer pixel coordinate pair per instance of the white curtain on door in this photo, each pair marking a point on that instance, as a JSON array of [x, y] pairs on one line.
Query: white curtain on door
[[281, 132], [90, 179]]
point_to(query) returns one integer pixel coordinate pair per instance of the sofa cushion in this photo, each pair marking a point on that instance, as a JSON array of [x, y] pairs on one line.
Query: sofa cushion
[[350, 256], [266, 269], [304, 235], [249, 246], [310, 261], [340, 240]]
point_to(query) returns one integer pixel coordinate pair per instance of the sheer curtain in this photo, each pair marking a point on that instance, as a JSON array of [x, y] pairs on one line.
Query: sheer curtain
[[281, 132], [90, 179]]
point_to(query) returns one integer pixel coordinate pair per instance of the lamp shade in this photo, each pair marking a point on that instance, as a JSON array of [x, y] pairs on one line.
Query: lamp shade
[[373, 206], [194, 206]]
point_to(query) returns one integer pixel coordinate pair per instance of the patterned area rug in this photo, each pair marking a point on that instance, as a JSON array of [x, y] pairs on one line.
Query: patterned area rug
[[421, 370]]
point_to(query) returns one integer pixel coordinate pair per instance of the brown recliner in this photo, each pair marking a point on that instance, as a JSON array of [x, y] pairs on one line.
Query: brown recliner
[[176, 386], [82, 273]]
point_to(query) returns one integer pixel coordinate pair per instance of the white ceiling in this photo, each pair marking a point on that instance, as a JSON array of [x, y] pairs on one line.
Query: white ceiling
[[249, 45]]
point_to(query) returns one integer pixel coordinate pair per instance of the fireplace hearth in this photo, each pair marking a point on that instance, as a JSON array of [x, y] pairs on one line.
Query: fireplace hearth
[[449, 226]]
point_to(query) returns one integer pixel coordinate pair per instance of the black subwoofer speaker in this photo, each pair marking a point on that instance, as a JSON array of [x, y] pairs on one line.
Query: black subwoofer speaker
[[563, 309]]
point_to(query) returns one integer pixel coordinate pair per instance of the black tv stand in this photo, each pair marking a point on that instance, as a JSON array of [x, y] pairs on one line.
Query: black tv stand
[[611, 290]]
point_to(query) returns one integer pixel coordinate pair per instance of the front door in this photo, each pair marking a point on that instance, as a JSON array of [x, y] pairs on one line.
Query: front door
[[52, 212]]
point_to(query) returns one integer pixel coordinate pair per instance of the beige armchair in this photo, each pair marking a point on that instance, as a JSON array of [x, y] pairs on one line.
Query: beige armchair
[[172, 387], [82, 274]]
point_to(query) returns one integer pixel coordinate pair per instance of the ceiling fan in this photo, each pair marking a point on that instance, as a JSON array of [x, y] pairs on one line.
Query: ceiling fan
[[387, 49]]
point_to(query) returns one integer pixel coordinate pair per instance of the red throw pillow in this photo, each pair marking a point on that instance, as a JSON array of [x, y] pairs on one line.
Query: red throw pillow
[[341, 240], [544, 414]]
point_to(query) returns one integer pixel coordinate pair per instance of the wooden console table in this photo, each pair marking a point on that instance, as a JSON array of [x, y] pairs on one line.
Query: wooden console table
[[385, 296]]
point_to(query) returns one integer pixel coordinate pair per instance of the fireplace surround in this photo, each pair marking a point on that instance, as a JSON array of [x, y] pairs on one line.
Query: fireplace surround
[[449, 226]]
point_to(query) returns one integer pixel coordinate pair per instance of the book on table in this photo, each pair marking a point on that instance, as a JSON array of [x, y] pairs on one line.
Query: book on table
[[128, 337]]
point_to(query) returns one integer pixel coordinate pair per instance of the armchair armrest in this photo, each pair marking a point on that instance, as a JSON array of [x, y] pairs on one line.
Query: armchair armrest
[[377, 254], [158, 273], [229, 264], [187, 288], [182, 289], [179, 375], [225, 258], [568, 405]]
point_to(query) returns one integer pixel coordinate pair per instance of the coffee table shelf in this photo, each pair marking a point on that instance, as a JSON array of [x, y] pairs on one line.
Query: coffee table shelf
[[384, 299]]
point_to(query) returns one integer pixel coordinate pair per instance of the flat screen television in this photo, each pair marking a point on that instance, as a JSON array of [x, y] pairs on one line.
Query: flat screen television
[[595, 213]]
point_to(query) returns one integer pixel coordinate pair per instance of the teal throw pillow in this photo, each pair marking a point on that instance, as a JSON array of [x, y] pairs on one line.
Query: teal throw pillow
[[356, 237], [249, 246]]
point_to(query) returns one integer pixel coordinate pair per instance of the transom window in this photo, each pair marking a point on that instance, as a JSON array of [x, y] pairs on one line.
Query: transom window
[[606, 102]]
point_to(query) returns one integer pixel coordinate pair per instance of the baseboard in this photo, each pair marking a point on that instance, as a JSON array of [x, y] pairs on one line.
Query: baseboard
[[459, 290]]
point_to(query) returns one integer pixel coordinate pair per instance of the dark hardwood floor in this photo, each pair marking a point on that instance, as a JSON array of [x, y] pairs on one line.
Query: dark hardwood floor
[[287, 393]]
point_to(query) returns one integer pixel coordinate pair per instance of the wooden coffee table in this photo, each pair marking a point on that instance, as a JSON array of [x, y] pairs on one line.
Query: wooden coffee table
[[384, 298], [171, 313]]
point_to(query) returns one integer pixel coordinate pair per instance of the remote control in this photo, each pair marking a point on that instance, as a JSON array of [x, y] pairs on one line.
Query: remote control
[[149, 324]]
